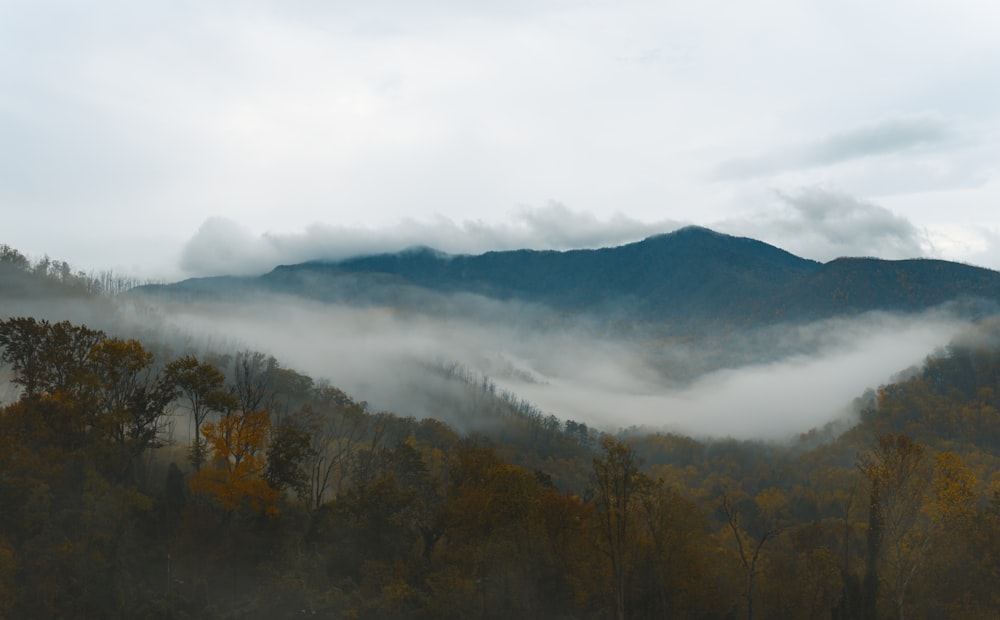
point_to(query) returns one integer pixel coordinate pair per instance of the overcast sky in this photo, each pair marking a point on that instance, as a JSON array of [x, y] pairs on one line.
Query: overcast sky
[[174, 138]]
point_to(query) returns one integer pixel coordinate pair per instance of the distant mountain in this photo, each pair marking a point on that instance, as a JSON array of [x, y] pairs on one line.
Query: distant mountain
[[685, 279]]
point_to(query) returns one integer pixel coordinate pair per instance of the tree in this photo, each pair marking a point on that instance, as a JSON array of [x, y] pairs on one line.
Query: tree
[[287, 457], [766, 505], [897, 475], [13, 258], [252, 382], [675, 569], [201, 384], [23, 343], [953, 495], [237, 477], [617, 484], [130, 400], [513, 542], [336, 425], [46, 357], [96, 390], [945, 559]]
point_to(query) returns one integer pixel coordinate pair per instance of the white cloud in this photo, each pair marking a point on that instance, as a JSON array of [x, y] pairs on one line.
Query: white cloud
[[576, 374], [823, 224], [222, 246], [157, 115]]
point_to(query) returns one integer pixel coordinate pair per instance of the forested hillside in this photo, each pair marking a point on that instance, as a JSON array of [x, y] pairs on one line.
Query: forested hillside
[[142, 481], [688, 282]]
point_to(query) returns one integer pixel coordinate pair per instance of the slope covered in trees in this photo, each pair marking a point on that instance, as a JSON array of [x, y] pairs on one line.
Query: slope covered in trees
[[689, 281], [294, 498], [153, 481]]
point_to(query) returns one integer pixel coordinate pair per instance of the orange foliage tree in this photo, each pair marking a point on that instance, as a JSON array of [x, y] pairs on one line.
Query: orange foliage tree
[[238, 444]]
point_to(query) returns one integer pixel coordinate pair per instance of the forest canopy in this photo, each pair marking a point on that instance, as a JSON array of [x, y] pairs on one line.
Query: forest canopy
[[291, 496]]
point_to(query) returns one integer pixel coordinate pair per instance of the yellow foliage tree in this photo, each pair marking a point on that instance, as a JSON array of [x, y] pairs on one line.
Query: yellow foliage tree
[[238, 444], [953, 491], [896, 478]]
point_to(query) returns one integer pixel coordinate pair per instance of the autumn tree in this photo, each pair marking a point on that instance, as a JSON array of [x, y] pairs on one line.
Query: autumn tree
[[511, 545], [201, 384], [617, 485], [897, 475], [750, 546], [237, 475], [46, 357], [943, 553], [130, 400], [675, 568], [953, 492], [89, 408], [97, 390]]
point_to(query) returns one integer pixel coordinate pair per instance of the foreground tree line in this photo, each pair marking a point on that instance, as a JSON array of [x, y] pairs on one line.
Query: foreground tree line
[[228, 486]]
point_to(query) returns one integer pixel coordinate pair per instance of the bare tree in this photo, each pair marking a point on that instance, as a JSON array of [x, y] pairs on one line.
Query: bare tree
[[336, 425], [251, 380], [750, 550]]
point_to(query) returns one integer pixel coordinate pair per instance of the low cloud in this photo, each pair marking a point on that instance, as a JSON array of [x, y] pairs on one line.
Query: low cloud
[[824, 224], [813, 222], [222, 246], [381, 356], [775, 400], [892, 135]]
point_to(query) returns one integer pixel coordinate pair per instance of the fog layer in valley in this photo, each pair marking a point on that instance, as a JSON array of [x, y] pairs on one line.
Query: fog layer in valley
[[574, 371]]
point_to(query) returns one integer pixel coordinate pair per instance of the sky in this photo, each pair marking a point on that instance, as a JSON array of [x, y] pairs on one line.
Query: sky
[[169, 139]]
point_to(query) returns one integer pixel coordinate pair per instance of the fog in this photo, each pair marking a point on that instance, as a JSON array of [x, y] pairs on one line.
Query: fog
[[573, 370], [771, 383], [223, 246], [771, 401]]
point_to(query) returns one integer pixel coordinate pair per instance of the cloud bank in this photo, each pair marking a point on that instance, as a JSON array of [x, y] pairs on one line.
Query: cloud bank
[[379, 356], [823, 224], [813, 222], [222, 246]]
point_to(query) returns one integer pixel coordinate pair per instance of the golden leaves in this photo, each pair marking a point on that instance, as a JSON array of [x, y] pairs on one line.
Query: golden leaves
[[238, 443]]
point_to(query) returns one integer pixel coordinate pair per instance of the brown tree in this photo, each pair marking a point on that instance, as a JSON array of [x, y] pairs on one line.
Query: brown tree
[[617, 485], [130, 401], [767, 525], [897, 475], [201, 384], [237, 477]]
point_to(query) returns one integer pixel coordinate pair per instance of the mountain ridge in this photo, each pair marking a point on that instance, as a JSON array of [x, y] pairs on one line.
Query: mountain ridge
[[690, 277]]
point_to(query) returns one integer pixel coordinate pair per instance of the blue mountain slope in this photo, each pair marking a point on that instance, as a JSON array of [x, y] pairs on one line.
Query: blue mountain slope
[[687, 278]]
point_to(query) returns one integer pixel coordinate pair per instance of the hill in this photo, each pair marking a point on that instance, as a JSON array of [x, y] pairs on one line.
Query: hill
[[691, 280]]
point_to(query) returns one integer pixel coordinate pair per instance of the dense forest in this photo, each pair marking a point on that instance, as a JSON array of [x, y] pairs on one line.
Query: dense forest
[[138, 481]]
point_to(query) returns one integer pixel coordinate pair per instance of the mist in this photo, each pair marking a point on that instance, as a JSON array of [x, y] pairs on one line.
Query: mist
[[222, 246], [573, 370], [762, 401], [768, 383]]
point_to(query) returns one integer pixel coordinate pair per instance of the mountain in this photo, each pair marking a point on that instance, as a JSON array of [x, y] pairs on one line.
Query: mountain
[[687, 279]]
